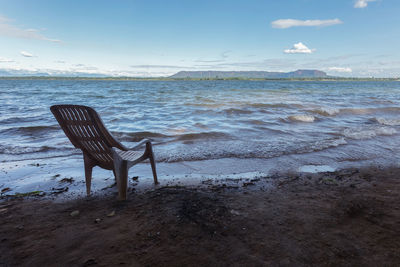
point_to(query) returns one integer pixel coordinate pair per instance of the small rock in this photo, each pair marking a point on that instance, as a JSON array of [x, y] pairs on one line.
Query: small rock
[[245, 184], [55, 176], [74, 213], [135, 178], [235, 212], [90, 262], [111, 214], [5, 189], [67, 180], [97, 220], [59, 190]]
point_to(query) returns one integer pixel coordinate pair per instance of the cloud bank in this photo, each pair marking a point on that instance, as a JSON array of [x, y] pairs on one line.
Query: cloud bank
[[340, 69], [288, 23], [299, 48], [5, 60]]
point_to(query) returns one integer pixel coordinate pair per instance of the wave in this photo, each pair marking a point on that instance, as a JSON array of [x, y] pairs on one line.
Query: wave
[[21, 119], [359, 134], [277, 105], [387, 122], [255, 122], [301, 118], [366, 111], [200, 125], [137, 136], [234, 111], [205, 105], [325, 111], [16, 150], [240, 149], [30, 130], [203, 135]]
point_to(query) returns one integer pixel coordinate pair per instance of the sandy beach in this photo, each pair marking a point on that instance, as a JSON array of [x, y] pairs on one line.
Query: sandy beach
[[347, 217]]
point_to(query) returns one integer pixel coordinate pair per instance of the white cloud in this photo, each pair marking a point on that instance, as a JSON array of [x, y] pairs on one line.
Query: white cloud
[[340, 69], [362, 3], [299, 48], [5, 60], [26, 54], [10, 30], [288, 23]]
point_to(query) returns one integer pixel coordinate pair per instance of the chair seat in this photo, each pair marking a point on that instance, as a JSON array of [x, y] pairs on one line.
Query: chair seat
[[129, 155]]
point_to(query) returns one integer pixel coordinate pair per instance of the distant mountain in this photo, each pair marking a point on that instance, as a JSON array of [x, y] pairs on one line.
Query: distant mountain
[[28, 73], [250, 74], [181, 74]]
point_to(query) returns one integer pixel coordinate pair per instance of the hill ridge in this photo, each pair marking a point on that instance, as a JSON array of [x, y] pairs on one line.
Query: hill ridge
[[250, 74]]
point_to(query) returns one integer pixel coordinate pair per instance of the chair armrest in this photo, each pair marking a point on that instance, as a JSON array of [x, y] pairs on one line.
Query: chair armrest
[[139, 144]]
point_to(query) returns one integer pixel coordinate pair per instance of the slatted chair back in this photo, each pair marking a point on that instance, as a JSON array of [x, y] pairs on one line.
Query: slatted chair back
[[86, 131]]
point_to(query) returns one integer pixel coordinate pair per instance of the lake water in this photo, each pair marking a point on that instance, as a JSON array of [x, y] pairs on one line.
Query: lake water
[[201, 120]]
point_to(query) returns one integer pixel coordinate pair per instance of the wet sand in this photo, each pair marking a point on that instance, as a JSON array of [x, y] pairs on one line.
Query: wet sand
[[347, 217]]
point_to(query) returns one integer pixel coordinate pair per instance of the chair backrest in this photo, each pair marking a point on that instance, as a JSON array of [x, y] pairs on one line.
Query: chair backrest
[[86, 131]]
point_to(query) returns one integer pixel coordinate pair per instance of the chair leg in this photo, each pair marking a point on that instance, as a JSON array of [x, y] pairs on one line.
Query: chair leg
[[88, 173], [121, 175], [152, 162], [115, 175]]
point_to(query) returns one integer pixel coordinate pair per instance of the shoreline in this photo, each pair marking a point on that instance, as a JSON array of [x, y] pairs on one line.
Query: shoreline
[[63, 177], [350, 216], [83, 78]]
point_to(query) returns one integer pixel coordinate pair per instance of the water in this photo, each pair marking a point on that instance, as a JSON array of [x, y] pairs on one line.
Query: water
[[202, 120]]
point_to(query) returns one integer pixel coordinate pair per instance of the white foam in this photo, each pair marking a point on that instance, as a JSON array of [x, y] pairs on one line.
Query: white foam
[[302, 118], [368, 133], [386, 131], [388, 122], [316, 168]]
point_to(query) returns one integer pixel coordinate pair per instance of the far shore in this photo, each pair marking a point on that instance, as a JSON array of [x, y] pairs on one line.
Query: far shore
[[345, 217], [78, 78]]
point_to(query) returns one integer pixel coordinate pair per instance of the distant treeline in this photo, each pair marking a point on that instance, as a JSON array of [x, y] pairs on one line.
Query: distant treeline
[[194, 79]]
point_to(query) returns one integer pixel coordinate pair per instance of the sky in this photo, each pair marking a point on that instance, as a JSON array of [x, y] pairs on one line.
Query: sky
[[350, 38]]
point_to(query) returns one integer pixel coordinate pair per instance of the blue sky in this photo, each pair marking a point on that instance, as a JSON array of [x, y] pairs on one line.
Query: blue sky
[[155, 38]]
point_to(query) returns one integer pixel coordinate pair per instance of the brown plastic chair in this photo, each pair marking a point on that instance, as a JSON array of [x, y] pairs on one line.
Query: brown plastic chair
[[86, 131]]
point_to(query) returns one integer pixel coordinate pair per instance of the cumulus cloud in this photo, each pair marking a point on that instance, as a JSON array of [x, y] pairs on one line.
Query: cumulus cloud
[[299, 48], [5, 60], [10, 30], [26, 54], [341, 69], [288, 23], [362, 3]]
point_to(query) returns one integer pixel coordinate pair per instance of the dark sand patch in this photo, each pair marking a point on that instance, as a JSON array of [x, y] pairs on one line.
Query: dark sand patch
[[350, 217]]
